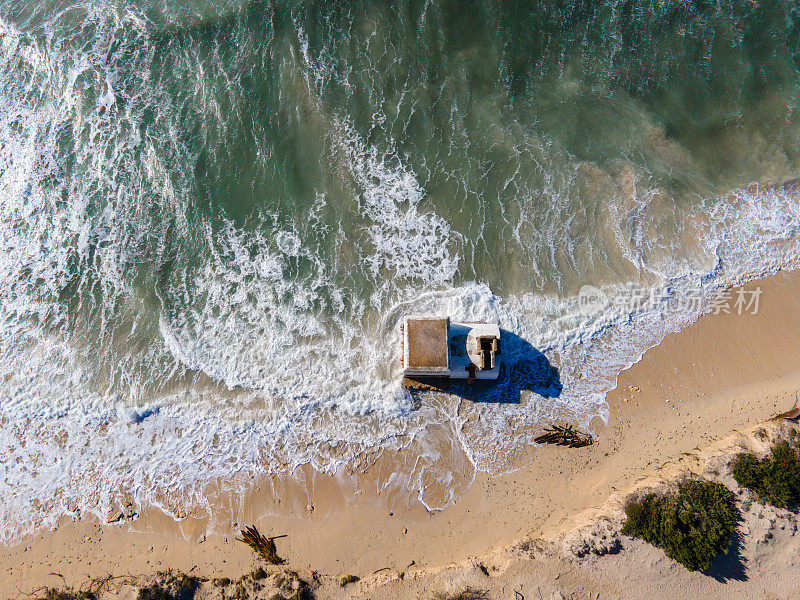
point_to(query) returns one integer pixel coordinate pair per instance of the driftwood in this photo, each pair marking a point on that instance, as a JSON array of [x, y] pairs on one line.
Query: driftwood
[[263, 546], [564, 436], [789, 415], [793, 414]]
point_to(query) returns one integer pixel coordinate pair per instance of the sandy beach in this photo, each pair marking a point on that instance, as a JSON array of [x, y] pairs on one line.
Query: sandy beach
[[232, 234], [723, 374]]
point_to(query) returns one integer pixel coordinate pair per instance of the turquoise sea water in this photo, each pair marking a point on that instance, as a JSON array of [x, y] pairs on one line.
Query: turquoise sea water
[[213, 216]]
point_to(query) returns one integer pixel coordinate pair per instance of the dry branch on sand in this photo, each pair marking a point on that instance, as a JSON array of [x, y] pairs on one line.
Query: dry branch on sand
[[63, 594], [564, 436], [793, 414], [263, 546], [466, 594], [89, 591]]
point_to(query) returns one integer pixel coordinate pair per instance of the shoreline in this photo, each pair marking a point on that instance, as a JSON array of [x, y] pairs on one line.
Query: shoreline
[[722, 373]]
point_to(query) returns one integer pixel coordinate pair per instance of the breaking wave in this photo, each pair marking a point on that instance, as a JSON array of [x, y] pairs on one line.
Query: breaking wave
[[214, 218]]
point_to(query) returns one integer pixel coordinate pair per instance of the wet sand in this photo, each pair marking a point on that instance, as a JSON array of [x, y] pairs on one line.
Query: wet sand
[[725, 372]]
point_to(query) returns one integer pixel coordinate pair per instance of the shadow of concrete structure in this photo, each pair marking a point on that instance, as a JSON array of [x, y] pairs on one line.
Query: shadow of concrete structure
[[522, 368]]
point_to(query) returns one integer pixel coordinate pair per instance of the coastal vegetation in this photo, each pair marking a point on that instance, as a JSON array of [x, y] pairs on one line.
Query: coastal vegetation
[[775, 479], [465, 594], [175, 585], [348, 579], [692, 525], [91, 590], [65, 594], [170, 586]]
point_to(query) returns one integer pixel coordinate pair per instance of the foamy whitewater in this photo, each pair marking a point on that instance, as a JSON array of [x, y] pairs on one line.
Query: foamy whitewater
[[214, 217]]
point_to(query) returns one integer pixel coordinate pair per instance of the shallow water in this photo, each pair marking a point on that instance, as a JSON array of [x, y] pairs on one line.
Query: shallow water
[[214, 216]]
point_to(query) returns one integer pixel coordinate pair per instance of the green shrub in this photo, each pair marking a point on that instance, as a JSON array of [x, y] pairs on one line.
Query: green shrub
[[691, 526], [775, 479]]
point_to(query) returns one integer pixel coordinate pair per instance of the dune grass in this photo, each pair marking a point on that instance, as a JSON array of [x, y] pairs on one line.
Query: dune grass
[[468, 593], [348, 579], [170, 586], [90, 590], [52, 593]]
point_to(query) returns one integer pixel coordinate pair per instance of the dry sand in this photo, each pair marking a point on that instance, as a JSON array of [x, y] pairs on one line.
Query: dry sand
[[725, 373]]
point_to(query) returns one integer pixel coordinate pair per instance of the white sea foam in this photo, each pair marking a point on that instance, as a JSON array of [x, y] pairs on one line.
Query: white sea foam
[[406, 243], [103, 391], [50, 465]]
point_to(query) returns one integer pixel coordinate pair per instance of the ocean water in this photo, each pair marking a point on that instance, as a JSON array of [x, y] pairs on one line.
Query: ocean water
[[214, 215]]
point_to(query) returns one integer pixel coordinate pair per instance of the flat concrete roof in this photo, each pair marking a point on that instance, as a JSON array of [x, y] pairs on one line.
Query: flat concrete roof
[[426, 344]]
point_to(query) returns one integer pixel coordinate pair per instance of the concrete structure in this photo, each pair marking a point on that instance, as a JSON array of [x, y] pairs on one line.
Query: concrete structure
[[436, 350]]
